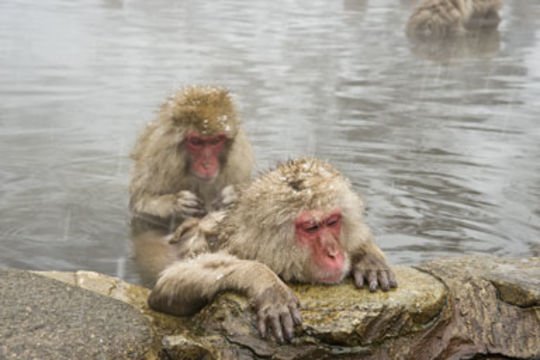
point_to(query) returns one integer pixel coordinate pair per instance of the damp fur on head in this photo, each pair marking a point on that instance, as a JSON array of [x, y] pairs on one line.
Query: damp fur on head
[[207, 110], [295, 186]]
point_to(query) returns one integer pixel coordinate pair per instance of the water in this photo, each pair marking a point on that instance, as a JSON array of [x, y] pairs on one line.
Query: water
[[443, 142]]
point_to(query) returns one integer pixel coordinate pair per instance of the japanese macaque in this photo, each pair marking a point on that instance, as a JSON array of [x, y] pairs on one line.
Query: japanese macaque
[[300, 223], [187, 159], [448, 18]]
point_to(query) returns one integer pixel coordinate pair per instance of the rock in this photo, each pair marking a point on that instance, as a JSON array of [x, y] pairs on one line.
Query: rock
[[182, 347], [517, 281], [44, 319], [104, 285], [458, 308], [118, 289], [492, 308]]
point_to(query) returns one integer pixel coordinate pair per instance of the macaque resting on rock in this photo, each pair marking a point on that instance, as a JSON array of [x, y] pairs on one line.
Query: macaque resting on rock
[[447, 18], [187, 159], [301, 222]]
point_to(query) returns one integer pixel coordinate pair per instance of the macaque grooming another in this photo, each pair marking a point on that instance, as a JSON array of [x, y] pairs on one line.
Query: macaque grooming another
[[187, 157], [447, 18], [301, 222]]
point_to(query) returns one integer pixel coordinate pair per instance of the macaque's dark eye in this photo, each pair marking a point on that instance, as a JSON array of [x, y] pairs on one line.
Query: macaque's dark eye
[[333, 220], [195, 141], [311, 228], [216, 140]]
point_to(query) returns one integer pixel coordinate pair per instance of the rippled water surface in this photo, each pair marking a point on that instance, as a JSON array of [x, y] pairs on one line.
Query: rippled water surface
[[443, 140]]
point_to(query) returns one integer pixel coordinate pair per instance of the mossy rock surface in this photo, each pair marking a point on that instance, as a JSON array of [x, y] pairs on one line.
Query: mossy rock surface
[[337, 319], [344, 314]]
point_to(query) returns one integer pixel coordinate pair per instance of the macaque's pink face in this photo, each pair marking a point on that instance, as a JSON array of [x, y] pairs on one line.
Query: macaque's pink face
[[204, 152], [321, 232]]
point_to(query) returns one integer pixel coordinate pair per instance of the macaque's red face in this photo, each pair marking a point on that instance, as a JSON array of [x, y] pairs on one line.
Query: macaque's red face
[[321, 232], [204, 153]]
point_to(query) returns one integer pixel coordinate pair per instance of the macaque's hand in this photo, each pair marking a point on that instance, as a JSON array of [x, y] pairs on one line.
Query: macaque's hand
[[189, 205], [187, 230], [374, 271], [278, 309], [188, 240], [226, 198]]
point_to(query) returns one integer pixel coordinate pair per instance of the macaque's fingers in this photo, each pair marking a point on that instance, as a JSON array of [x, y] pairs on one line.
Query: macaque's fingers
[[358, 278], [275, 324], [372, 280], [189, 205], [295, 313], [261, 324], [277, 311], [392, 279], [287, 323], [193, 212], [188, 195], [383, 280]]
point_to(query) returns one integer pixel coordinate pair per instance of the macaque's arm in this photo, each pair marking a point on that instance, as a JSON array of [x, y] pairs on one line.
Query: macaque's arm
[[184, 204], [369, 265], [186, 286]]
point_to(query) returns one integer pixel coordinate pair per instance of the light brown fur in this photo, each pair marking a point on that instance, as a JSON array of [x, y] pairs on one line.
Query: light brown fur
[[254, 242], [447, 18], [160, 179]]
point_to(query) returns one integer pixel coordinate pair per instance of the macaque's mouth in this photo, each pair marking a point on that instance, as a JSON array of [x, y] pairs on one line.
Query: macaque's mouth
[[332, 278]]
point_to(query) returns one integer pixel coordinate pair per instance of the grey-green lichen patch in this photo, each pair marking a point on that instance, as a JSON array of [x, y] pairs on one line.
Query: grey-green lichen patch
[[43, 318], [346, 315]]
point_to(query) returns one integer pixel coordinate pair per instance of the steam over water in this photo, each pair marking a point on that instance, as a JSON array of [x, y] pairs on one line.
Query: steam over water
[[443, 141]]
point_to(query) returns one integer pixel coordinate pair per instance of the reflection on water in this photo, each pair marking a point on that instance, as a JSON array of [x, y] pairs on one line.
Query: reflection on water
[[442, 139], [478, 42]]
